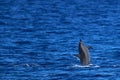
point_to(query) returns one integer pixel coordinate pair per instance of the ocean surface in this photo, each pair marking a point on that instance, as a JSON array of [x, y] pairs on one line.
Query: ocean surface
[[38, 39]]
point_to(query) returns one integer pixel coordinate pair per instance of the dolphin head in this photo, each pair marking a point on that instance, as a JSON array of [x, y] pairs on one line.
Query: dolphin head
[[80, 41]]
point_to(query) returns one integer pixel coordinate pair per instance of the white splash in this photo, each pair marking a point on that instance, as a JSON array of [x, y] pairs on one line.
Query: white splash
[[86, 66], [80, 66]]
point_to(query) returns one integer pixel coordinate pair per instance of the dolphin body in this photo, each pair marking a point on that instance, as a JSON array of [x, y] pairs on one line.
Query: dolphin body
[[83, 53]]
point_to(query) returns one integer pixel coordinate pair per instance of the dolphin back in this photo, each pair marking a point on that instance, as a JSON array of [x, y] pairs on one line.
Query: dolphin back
[[85, 55]]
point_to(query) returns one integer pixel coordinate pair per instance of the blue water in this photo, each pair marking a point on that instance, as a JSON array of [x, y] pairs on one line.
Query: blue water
[[39, 37]]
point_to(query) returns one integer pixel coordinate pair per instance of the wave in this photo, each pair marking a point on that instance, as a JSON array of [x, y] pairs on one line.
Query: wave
[[86, 66]]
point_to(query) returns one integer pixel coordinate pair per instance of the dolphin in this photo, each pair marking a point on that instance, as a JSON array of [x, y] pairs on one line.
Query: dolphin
[[83, 53]]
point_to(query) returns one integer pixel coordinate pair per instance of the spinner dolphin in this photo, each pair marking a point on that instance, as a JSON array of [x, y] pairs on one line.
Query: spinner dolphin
[[83, 53]]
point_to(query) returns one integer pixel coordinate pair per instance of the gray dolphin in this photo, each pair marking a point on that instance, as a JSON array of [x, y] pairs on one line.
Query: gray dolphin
[[83, 53]]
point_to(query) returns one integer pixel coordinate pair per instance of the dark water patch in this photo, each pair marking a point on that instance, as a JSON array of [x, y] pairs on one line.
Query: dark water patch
[[9, 47], [2, 23], [27, 30], [22, 42], [57, 32], [58, 75], [31, 53], [103, 75]]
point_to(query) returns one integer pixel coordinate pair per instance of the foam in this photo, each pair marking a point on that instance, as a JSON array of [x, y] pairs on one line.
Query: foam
[[86, 66]]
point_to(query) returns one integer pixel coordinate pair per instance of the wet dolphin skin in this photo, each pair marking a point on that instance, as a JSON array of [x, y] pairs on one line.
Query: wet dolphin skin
[[83, 54]]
